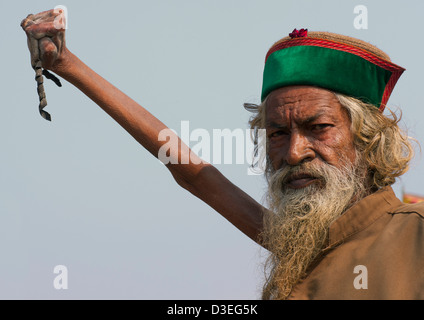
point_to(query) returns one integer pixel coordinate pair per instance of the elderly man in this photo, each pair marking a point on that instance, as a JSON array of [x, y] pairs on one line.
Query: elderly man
[[334, 228]]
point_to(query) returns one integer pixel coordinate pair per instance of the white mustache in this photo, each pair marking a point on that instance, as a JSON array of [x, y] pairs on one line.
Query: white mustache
[[307, 170]]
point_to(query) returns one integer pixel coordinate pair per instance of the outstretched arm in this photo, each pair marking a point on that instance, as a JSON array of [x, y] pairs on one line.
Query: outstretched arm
[[200, 178]]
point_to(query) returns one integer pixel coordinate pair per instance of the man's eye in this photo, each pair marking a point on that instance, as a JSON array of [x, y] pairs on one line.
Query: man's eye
[[277, 134], [321, 126]]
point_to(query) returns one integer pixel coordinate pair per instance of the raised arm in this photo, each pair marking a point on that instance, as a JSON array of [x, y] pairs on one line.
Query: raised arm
[[201, 179]]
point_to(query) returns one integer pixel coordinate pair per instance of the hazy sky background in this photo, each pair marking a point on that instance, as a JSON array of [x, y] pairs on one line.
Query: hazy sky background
[[81, 192]]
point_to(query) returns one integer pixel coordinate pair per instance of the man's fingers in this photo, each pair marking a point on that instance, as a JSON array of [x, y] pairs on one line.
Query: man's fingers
[[59, 41], [46, 36], [27, 21], [44, 50], [54, 17], [48, 51], [45, 15], [41, 30], [39, 17]]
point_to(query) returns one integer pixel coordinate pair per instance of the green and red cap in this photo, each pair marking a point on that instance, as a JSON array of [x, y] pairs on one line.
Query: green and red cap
[[339, 63]]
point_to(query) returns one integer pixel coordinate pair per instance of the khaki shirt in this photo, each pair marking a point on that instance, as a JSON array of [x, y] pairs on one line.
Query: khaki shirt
[[376, 251]]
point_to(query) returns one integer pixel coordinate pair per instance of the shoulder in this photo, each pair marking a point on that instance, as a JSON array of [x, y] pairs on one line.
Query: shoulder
[[408, 209], [407, 220], [388, 202]]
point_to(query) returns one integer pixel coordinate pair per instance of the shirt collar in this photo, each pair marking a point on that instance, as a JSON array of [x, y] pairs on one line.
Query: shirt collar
[[362, 214]]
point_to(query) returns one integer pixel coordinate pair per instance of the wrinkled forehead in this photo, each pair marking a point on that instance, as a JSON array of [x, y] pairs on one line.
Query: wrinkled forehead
[[302, 101]]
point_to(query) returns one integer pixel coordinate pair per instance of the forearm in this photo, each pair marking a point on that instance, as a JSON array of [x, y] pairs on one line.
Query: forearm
[[135, 119], [201, 179], [142, 125]]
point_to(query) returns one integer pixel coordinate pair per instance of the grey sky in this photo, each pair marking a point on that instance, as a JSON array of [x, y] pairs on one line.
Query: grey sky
[[79, 191]]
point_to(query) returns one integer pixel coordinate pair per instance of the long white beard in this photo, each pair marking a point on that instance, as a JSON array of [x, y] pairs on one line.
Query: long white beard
[[296, 230]]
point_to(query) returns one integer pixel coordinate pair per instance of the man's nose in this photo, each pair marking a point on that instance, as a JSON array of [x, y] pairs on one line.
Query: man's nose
[[300, 149]]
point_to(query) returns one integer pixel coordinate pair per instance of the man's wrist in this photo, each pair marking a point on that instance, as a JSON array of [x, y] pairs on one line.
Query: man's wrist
[[63, 65]]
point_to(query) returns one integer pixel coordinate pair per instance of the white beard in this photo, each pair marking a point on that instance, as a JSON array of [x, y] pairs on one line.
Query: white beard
[[296, 230]]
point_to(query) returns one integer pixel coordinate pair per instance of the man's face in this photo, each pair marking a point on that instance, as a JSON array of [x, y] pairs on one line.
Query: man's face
[[315, 175], [307, 124]]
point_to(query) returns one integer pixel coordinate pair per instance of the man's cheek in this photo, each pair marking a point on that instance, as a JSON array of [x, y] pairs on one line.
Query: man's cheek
[[275, 156]]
